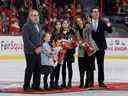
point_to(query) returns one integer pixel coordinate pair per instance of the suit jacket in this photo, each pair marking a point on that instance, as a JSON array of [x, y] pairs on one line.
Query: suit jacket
[[99, 35], [32, 38]]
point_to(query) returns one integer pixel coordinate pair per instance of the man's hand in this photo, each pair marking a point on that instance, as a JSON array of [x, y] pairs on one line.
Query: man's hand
[[107, 22], [38, 50]]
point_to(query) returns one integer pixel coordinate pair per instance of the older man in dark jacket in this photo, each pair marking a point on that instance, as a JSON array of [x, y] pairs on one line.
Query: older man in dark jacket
[[32, 36]]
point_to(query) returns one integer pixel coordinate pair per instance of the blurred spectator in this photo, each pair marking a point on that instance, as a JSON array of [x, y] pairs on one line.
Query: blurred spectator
[[43, 12], [14, 28], [23, 13], [17, 3], [45, 25], [0, 24], [7, 11], [60, 3], [6, 3], [15, 12], [1, 3], [5, 20], [34, 3], [54, 11], [87, 5]]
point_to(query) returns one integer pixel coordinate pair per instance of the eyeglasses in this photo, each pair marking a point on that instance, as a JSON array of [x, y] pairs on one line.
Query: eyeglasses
[[95, 11], [34, 15]]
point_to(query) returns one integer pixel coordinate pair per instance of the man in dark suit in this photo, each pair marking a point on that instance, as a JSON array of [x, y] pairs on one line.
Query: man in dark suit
[[32, 48], [99, 26]]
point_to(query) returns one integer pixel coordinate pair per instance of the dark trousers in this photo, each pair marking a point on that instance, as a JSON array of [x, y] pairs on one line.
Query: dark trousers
[[82, 69], [45, 80], [100, 62], [54, 76], [33, 62], [57, 74], [89, 77], [86, 64], [67, 62], [48, 72]]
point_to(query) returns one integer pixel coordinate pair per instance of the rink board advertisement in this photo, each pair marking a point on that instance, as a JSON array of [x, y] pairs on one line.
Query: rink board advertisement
[[11, 47], [117, 48]]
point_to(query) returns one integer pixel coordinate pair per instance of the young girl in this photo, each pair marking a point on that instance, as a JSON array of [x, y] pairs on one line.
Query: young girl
[[55, 37], [48, 56], [68, 59]]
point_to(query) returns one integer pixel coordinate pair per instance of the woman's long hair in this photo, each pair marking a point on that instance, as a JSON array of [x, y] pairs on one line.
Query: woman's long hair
[[54, 27]]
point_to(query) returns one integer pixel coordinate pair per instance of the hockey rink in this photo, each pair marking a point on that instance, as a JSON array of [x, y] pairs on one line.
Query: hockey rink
[[12, 75], [12, 67]]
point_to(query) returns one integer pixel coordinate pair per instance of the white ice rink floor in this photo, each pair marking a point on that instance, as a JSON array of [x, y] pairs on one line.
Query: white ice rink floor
[[115, 71]]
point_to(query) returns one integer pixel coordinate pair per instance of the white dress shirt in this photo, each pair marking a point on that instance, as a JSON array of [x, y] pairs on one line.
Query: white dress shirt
[[95, 24], [37, 27]]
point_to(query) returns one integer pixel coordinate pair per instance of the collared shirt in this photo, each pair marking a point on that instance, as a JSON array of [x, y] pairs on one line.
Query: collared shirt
[[94, 24]]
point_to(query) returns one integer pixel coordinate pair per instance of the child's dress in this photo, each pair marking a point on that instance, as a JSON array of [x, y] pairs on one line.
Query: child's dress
[[48, 57]]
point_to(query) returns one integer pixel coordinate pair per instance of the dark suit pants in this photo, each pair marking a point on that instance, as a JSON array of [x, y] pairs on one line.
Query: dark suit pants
[[67, 61], [32, 68], [100, 62], [85, 65]]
